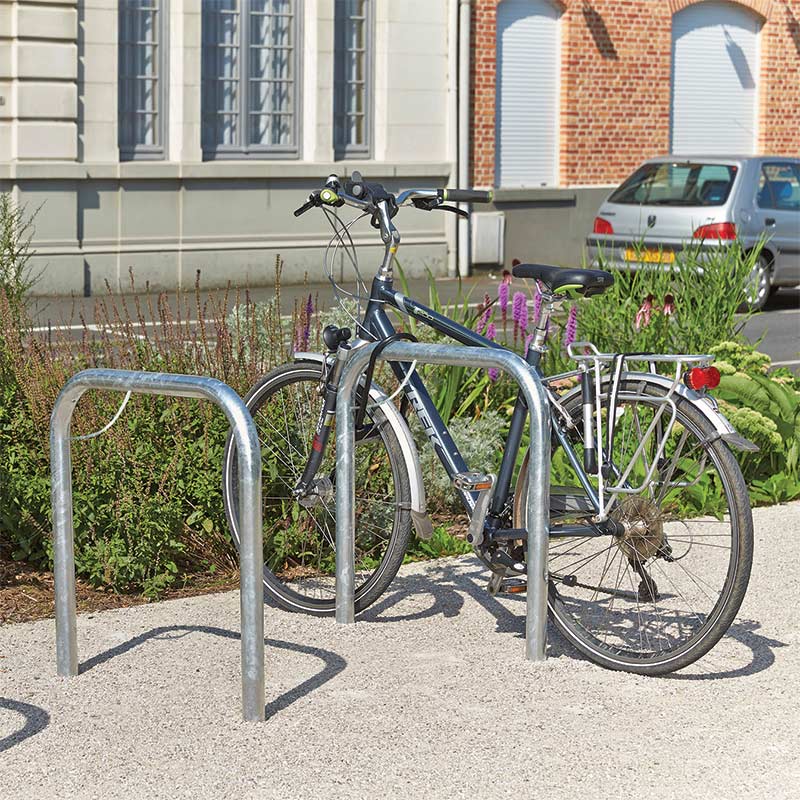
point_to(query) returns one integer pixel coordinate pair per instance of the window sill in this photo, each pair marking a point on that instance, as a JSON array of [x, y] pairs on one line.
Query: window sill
[[133, 170]]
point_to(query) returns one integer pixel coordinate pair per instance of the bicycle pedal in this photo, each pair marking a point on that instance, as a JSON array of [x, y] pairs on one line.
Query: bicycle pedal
[[473, 481], [509, 534], [514, 586]]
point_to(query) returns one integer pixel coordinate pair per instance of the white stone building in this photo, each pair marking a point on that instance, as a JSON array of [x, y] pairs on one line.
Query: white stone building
[[177, 135]]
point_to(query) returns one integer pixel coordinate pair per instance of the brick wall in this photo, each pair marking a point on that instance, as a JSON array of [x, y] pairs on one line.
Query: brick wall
[[615, 84], [780, 80]]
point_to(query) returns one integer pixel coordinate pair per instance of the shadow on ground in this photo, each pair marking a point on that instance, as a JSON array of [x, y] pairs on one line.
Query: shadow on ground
[[332, 662], [448, 587], [36, 720]]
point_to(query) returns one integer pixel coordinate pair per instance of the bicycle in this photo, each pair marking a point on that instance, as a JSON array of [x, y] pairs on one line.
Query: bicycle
[[641, 577]]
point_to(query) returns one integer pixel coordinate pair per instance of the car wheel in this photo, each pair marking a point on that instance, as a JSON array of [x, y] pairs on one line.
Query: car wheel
[[759, 284]]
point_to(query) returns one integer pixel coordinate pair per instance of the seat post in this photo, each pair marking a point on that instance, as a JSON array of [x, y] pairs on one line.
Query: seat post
[[540, 331]]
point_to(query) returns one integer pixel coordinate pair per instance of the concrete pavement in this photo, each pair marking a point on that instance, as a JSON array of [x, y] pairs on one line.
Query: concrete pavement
[[427, 696]]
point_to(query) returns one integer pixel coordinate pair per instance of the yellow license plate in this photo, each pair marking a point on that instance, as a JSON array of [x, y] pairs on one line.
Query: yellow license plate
[[650, 256]]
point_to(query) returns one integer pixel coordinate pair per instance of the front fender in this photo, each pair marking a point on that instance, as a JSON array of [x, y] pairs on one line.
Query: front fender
[[419, 514]]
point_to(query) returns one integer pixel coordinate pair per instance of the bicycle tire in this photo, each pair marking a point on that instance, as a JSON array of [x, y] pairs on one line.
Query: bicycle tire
[[732, 592], [279, 586]]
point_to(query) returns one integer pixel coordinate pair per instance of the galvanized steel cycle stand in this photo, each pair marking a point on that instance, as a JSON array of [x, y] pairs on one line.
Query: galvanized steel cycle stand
[[538, 466], [251, 555]]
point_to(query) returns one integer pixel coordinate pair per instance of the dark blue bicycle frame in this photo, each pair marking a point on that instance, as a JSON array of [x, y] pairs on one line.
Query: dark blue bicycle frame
[[376, 324]]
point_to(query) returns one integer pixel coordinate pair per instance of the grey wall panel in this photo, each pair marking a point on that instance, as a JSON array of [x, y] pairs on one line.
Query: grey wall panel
[[249, 267], [159, 270], [62, 276], [150, 210], [55, 205], [551, 231], [232, 207], [98, 211], [99, 268]]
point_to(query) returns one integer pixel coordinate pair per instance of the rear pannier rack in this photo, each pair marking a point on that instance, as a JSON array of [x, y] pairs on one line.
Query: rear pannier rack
[[596, 369]]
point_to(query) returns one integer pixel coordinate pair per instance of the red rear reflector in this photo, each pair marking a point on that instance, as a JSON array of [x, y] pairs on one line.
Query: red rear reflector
[[702, 378], [602, 226], [718, 230]]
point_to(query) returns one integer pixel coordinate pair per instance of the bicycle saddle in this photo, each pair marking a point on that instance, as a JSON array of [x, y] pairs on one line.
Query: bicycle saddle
[[585, 281]]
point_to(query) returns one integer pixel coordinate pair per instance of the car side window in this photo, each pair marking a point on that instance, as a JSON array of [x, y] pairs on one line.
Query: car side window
[[779, 186]]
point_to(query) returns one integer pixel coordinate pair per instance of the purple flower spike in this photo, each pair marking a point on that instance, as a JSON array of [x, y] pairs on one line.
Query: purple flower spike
[[572, 326], [491, 332], [537, 306], [494, 374], [502, 296], [519, 311], [486, 314]]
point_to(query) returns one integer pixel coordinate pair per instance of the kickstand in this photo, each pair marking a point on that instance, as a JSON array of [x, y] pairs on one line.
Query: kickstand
[[648, 591], [495, 582]]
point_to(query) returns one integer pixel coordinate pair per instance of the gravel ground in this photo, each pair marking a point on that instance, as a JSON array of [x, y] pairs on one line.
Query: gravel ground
[[427, 696]]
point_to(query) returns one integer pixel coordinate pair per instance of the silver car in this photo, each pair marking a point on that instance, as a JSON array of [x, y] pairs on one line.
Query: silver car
[[672, 200]]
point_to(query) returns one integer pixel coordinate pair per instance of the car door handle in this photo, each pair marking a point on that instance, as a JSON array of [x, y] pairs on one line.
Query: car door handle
[[769, 221]]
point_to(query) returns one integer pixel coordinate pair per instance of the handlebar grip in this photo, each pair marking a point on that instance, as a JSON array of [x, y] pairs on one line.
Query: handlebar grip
[[465, 195], [305, 207]]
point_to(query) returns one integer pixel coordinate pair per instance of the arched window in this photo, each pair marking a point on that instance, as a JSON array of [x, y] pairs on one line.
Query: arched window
[[527, 99], [715, 65]]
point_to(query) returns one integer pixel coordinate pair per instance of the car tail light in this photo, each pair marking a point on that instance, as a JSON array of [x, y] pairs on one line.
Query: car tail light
[[702, 378], [602, 225], [717, 230]]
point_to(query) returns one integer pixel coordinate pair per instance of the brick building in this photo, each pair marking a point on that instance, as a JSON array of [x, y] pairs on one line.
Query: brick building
[[606, 84]]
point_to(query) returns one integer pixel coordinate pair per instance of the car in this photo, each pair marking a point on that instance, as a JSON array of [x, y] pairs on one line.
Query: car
[[672, 201]]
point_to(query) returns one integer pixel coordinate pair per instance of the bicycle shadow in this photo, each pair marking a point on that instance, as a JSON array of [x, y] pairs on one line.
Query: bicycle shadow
[[36, 720], [333, 663], [451, 584]]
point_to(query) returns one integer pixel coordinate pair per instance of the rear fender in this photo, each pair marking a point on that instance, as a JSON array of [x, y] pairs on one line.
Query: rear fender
[[705, 404], [419, 514]]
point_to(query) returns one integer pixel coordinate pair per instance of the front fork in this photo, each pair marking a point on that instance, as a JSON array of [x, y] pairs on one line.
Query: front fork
[[324, 423]]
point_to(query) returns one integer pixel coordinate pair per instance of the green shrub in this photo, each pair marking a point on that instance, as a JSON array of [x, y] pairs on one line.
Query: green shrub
[[147, 494], [480, 441]]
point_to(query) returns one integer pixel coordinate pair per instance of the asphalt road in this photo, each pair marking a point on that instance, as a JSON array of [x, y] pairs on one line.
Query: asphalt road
[[777, 329]]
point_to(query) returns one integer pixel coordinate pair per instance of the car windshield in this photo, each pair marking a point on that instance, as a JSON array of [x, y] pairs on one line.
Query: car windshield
[[678, 184]]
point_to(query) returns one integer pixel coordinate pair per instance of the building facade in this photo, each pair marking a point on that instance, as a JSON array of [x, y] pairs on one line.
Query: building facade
[[171, 136], [570, 96]]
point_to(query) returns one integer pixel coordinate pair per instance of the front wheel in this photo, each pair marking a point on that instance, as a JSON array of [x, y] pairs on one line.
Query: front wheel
[[300, 534], [658, 596]]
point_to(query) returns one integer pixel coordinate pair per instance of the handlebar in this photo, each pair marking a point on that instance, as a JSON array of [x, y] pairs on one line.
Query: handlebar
[[465, 195], [374, 200], [307, 206], [367, 196]]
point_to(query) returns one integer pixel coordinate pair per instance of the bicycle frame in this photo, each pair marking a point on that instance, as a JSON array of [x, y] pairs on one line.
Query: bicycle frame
[[377, 325]]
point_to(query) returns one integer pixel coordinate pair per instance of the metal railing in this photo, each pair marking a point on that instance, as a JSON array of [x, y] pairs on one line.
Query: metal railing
[[251, 556], [538, 466]]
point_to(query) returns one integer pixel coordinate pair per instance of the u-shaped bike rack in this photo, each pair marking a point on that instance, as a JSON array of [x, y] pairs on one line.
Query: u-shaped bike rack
[[538, 466], [251, 556]]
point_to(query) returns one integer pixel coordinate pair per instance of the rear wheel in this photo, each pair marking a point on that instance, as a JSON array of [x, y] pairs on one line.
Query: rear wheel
[[659, 596], [300, 535]]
